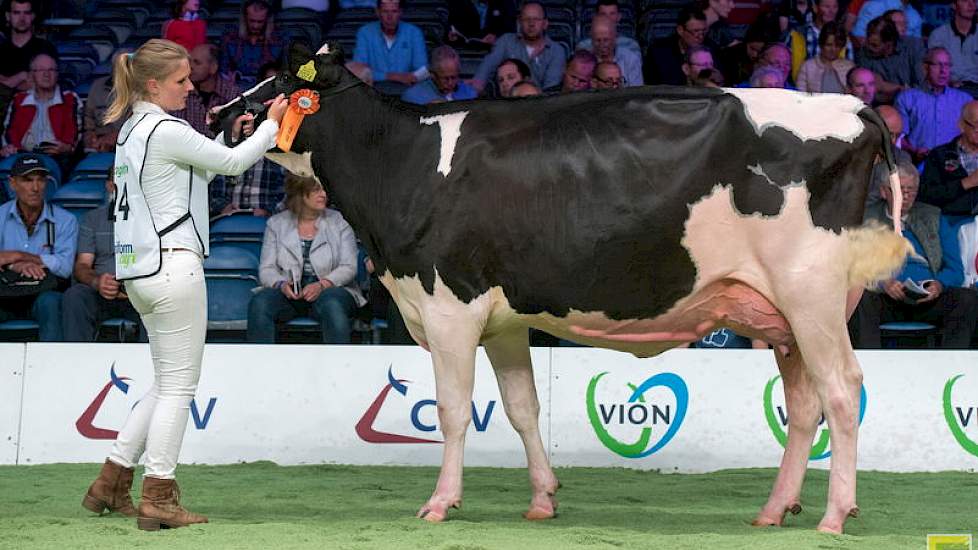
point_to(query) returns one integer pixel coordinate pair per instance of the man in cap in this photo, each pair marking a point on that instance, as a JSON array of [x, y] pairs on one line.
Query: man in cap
[[37, 240]]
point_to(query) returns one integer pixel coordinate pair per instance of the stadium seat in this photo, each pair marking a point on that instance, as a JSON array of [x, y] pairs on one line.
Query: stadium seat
[[241, 229], [19, 330], [909, 334], [94, 164], [231, 275], [118, 330], [80, 196]]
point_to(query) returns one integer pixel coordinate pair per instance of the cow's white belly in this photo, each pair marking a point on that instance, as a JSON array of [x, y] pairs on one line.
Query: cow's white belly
[[744, 265]]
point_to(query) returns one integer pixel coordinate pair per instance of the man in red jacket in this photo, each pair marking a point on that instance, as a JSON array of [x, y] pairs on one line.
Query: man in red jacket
[[44, 119]]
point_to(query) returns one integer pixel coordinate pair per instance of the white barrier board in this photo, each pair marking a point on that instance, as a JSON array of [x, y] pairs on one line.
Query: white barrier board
[[11, 385], [288, 404]]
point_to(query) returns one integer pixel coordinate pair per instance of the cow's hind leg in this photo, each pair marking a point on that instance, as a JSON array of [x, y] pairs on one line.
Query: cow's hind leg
[[509, 353], [452, 331], [803, 413]]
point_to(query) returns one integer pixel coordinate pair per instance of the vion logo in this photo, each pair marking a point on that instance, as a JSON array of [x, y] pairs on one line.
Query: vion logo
[[367, 432], [960, 418], [85, 423], [777, 419], [637, 419]]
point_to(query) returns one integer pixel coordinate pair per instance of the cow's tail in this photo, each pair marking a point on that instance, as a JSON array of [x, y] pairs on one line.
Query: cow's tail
[[875, 254], [889, 158]]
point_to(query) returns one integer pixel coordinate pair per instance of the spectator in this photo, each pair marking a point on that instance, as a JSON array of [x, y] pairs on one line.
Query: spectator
[[881, 174], [476, 24], [664, 60], [44, 119], [526, 88], [395, 51], [259, 190], [96, 295], [609, 8], [930, 111], [698, 58], [940, 275], [509, 72], [255, 42], [444, 83], [607, 76], [826, 72], [604, 45], [186, 28], [778, 57], [578, 74], [210, 88], [876, 8], [805, 41], [767, 77], [531, 45], [19, 48], [960, 40], [97, 136], [914, 43], [37, 240], [950, 178], [308, 267], [739, 61], [861, 83], [719, 35], [795, 14], [896, 64]]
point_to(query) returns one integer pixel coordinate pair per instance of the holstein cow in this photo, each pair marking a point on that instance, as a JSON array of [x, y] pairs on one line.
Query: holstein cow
[[638, 220]]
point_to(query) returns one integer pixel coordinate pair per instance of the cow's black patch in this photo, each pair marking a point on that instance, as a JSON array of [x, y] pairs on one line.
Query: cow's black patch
[[569, 202]]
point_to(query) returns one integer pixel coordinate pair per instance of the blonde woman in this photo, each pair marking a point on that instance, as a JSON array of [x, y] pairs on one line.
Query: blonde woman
[[162, 168]]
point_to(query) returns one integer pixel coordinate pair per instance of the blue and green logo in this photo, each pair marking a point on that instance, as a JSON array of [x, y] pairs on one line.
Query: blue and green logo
[[777, 420], [958, 418], [638, 413]]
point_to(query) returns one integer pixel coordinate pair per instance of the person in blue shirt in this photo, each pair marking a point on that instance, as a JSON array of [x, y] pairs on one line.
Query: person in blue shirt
[[37, 240], [928, 287], [394, 51], [444, 84]]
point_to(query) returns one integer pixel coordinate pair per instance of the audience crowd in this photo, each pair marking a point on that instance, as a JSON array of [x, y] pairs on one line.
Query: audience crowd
[[920, 75]]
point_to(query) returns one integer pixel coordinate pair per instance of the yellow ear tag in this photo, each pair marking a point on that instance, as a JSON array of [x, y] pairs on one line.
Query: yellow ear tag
[[307, 72]]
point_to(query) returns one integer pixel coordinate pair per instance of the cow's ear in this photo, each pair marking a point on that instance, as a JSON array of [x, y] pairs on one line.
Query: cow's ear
[[332, 52], [299, 55]]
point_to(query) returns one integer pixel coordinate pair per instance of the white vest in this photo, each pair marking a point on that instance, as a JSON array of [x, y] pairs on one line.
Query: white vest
[[138, 250]]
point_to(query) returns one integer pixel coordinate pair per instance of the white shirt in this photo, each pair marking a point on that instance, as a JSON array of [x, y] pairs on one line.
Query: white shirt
[[176, 149]]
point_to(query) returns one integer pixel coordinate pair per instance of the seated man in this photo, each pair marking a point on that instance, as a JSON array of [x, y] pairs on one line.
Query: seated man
[[959, 38], [938, 271], [444, 84], [607, 75], [210, 89], [861, 83], [96, 296], [97, 136], [45, 118], [37, 241], [950, 178], [896, 63], [609, 8], [578, 73], [698, 59], [531, 45], [663, 63], [476, 24], [253, 42], [394, 50], [604, 46]]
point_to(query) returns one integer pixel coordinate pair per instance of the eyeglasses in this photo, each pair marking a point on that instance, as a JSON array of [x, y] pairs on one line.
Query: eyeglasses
[[694, 32]]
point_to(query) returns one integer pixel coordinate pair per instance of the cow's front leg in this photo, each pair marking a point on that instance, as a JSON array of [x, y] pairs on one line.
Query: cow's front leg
[[509, 353], [453, 330], [803, 411]]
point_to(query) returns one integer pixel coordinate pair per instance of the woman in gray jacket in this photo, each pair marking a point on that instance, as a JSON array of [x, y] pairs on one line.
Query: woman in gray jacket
[[308, 267]]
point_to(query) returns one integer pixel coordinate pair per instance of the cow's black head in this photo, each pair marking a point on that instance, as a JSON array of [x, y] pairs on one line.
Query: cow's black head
[[322, 71]]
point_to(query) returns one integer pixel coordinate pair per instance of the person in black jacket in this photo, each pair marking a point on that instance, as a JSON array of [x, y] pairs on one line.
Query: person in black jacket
[[476, 24], [950, 178]]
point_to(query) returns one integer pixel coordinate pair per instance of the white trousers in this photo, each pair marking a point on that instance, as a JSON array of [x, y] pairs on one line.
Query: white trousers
[[173, 307]]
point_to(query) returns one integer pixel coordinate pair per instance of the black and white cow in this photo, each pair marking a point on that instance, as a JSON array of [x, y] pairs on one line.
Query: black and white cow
[[638, 220]]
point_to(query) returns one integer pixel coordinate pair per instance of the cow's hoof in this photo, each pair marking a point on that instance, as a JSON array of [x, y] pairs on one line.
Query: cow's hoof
[[829, 528], [436, 513], [542, 510], [766, 521]]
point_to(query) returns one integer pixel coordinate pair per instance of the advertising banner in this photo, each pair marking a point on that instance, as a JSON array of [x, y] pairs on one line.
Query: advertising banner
[[11, 385]]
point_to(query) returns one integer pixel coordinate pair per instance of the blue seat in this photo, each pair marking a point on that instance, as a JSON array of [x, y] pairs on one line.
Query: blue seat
[[242, 230], [19, 330], [231, 275], [903, 334], [123, 330], [49, 163], [80, 196], [94, 164]]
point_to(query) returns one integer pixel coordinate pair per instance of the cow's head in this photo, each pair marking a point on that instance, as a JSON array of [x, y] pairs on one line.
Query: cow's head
[[322, 72]]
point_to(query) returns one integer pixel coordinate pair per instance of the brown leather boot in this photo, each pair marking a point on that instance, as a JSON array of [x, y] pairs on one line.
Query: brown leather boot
[[159, 508], [110, 491]]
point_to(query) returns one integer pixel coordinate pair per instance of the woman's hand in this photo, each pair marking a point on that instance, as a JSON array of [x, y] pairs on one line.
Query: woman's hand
[[286, 289], [244, 124], [312, 291], [277, 107]]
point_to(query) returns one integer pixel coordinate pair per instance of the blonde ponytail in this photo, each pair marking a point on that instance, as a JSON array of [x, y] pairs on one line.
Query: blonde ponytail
[[155, 59]]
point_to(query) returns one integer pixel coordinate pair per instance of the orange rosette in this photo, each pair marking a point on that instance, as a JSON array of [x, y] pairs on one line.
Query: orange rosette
[[304, 101], [301, 103]]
